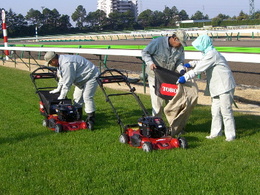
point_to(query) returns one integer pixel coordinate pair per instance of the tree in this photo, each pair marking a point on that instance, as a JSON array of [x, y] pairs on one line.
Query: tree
[[145, 19], [64, 22], [175, 11], [97, 20], [50, 21], [34, 17], [14, 21], [129, 20], [116, 20], [183, 15], [257, 15], [158, 19], [170, 15], [223, 16], [79, 16], [17, 25], [216, 21], [50, 17], [242, 16], [199, 16]]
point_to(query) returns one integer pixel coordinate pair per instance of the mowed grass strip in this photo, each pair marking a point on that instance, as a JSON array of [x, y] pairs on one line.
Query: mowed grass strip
[[36, 160]]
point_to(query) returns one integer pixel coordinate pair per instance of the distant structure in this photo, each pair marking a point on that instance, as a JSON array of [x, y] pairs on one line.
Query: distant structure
[[192, 22], [251, 8], [109, 6]]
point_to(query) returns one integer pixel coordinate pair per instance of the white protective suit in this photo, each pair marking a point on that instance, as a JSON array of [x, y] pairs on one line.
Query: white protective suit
[[77, 70], [220, 86]]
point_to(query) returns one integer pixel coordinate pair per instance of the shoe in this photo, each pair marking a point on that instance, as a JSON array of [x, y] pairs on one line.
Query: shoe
[[229, 139], [90, 120], [210, 137], [91, 117], [90, 125]]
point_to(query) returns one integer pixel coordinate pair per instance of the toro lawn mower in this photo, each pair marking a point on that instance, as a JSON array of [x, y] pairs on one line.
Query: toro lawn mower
[[59, 115], [149, 133]]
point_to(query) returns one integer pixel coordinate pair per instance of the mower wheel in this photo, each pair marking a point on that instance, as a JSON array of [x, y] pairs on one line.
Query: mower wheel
[[123, 138], [147, 147], [58, 128], [45, 122], [183, 142]]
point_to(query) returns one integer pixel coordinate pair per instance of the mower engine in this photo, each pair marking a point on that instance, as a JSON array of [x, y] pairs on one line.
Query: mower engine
[[67, 112], [152, 127]]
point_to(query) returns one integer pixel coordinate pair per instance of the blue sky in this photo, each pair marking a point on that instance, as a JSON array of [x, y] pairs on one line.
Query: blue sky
[[210, 7]]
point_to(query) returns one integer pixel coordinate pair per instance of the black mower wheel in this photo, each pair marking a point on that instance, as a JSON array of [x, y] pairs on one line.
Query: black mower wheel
[[123, 138], [58, 128], [183, 142], [147, 147]]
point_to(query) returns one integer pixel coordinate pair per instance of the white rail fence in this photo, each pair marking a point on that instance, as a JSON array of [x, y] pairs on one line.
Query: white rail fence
[[234, 57]]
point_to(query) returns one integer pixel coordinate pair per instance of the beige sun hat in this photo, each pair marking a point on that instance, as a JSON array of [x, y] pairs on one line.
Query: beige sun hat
[[182, 36], [49, 56]]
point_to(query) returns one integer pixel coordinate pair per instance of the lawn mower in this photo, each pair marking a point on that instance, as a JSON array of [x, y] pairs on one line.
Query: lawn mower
[[59, 115], [150, 132]]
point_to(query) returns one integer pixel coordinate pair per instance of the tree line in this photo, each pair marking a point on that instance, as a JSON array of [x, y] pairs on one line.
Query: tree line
[[49, 22]]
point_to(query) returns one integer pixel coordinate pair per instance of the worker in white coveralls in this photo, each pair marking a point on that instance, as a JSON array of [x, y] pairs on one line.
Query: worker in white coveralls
[[77, 70], [220, 86], [167, 52]]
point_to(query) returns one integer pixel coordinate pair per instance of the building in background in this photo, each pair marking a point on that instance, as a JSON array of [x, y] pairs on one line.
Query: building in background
[[109, 6]]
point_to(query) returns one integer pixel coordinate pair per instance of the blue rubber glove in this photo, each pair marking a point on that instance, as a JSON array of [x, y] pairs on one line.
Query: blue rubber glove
[[187, 65], [182, 72], [181, 80]]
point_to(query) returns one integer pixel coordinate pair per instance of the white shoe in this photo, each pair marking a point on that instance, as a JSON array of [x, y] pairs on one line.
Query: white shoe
[[230, 139], [210, 137]]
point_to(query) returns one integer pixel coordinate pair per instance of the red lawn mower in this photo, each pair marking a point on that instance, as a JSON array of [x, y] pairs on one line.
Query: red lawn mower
[[149, 133], [59, 115]]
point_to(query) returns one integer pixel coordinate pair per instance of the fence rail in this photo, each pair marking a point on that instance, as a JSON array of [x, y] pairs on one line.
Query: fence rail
[[233, 57]]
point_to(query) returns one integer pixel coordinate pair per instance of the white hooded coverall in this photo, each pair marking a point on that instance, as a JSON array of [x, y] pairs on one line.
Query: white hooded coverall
[[220, 86]]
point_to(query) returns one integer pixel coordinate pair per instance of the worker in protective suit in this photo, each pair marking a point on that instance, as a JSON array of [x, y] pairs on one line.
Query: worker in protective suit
[[220, 86], [77, 70]]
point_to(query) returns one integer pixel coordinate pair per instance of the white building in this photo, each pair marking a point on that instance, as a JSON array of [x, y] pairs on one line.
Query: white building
[[109, 6]]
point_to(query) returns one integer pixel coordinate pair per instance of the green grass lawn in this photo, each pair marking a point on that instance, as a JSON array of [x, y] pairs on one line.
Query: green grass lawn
[[36, 160]]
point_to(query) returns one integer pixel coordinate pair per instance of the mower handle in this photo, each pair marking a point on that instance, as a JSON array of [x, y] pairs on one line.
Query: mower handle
[[36, 74]]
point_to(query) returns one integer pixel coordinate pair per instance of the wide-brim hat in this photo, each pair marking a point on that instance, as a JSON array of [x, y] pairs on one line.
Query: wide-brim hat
[[49, 56], [182, 36]]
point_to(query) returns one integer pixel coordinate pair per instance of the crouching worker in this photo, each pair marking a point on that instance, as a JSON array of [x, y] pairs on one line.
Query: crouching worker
[[77, 70], [220, 86]]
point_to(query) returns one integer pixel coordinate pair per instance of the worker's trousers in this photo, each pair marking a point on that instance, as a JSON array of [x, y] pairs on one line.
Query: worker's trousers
[[86, 93], [157, 102], [222, 113]]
